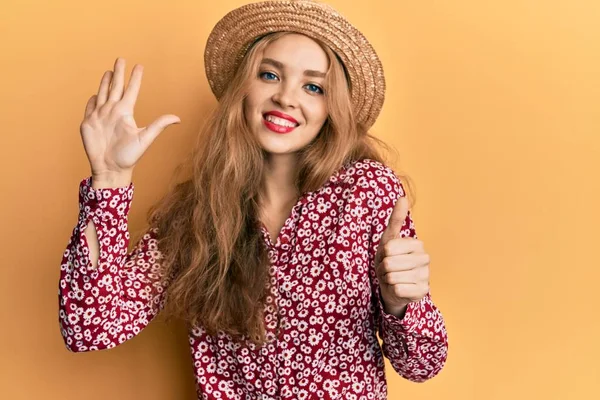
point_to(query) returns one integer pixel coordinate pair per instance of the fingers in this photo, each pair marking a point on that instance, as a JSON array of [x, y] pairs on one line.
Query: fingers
[[112, 84], [395, 245], [399, 214], [133, 88], [405, 245], [90, 106], [410, 291], [397, 219], [417, 276], [148, 135], [103, 90], [405, 262], [116, 91]]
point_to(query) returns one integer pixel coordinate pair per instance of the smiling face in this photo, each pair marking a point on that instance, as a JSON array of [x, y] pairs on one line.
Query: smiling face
[[289, 81]]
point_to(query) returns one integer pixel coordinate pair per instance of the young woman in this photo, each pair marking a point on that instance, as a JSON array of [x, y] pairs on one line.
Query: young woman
[[288, 244]]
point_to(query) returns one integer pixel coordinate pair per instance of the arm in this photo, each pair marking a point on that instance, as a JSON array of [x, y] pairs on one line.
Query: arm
[[415, 340], [103, 305]]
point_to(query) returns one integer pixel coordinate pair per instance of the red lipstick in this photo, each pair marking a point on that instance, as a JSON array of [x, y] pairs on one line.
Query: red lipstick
[[279, 128]]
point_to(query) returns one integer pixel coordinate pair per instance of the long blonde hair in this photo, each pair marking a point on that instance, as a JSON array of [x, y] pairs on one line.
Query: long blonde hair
[[213, 253]]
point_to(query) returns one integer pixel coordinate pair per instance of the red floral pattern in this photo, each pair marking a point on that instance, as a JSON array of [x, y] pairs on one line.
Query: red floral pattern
[[322, 340]]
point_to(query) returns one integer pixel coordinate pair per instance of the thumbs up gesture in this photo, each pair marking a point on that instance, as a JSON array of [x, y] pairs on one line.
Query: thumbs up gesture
[[401, 264]]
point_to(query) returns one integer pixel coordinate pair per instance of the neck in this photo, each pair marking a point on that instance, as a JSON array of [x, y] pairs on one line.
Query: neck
[[279, 188]]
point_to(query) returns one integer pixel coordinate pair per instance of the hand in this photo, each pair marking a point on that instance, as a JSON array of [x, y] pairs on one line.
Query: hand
[[112, 141], [401, 264]]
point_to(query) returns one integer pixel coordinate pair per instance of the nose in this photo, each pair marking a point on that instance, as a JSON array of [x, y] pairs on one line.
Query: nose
[[285, 96]]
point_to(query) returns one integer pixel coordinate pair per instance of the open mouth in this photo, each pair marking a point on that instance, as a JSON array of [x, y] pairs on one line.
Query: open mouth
[[278, 125], [284, 123]]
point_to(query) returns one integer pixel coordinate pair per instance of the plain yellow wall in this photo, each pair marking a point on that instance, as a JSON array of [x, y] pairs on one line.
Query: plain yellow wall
[[493, 106]]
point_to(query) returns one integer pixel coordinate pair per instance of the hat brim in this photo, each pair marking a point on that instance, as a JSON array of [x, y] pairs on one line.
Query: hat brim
[[231, 37]]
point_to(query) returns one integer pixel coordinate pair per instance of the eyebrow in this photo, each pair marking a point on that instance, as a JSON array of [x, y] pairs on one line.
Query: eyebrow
[[308, 72]]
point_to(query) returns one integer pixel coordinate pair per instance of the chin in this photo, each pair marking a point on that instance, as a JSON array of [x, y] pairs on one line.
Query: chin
[[272, 147]]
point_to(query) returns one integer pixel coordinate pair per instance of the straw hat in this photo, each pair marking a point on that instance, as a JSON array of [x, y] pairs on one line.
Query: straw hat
[[233, 35]]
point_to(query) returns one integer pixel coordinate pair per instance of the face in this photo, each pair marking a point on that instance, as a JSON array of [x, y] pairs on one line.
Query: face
[[290, 81]]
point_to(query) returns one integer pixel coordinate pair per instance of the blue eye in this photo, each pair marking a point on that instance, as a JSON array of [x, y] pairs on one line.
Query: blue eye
[[318, 89], [270, 73]]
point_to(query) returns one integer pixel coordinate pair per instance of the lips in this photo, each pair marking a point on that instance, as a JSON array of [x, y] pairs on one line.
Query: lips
[[278, 128], [279, 114]]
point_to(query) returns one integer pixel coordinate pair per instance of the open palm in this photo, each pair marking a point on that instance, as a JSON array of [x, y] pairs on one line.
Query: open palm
[[111, 138]]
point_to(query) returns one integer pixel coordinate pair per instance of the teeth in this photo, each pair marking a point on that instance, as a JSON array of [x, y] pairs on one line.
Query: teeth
[[280, 121]]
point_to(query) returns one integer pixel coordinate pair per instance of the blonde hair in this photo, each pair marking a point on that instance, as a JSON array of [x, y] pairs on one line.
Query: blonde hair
[[213, 254]]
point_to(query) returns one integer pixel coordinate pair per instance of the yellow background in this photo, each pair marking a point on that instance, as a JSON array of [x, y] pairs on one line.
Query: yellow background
[[493, 106]]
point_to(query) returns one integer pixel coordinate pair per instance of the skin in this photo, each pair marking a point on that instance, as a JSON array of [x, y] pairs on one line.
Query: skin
[[401, 264], [289, 90]]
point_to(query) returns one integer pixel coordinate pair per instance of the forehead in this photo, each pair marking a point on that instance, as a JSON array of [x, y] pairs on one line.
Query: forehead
[[297, 52]]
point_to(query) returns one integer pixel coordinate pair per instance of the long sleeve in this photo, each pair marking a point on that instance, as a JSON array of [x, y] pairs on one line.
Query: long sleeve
[[101, 308], [416, 344]]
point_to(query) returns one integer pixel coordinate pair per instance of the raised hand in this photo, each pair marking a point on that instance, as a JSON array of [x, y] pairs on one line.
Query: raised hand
[[401, 264], [112, 141]]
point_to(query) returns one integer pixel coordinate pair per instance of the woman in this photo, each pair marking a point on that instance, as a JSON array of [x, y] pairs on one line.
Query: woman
[[286, 247]]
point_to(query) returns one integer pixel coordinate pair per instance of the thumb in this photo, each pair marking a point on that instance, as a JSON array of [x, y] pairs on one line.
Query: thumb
[[397, 220], [155, 128]]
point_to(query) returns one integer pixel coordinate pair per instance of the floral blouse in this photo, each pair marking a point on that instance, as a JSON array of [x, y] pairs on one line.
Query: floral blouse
[[321, 316]]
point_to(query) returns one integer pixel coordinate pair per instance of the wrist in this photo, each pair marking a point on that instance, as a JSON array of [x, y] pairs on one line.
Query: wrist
[[397, 310], [121, 179]]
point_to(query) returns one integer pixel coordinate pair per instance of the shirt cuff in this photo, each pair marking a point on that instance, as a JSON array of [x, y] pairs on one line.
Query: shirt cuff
[[407, 324], [106, 203], [108, 208]]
